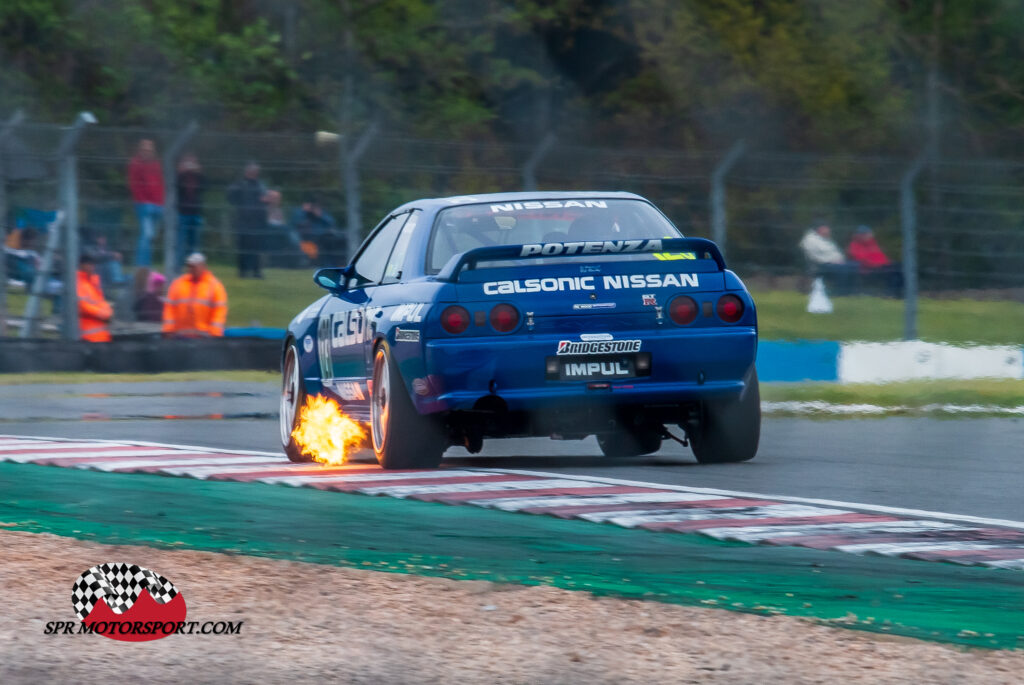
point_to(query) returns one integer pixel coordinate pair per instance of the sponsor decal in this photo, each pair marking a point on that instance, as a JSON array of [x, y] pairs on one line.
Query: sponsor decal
[[409, 313], [537, 285], [593, 369], [407, 335], [591, 247], [596, 336], [348, 328], [349, 391], [420, 386], [130, 603], [597, 347], [627, 281], [589, 283], [590, 268], [649, 300], [548, 204], [674, 256], [588, 306], [307, 344]]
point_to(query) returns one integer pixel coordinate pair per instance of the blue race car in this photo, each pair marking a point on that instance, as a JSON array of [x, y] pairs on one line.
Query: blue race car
[[530, 314]]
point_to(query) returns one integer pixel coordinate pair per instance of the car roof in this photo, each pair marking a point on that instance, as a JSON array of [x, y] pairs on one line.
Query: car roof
[[435, 203]]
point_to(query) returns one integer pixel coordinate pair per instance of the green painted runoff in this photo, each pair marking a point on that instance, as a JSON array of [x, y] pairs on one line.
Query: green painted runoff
[[937, 601]]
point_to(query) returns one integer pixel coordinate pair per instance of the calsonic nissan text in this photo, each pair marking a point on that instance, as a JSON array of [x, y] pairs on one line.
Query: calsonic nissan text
[[530, 314]]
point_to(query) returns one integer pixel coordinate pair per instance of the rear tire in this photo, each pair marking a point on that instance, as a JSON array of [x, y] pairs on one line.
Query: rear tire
[[729, 431], [293, 396], [402, 437], [628, 443]]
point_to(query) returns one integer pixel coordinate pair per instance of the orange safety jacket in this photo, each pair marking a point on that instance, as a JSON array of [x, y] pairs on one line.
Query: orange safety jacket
[[94, 313], [196, 307]]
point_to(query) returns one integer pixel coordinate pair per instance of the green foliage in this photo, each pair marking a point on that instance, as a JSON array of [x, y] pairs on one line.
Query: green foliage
[[829, 75]]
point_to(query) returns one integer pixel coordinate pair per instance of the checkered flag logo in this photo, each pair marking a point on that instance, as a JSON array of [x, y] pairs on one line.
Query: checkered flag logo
[[119, 585]]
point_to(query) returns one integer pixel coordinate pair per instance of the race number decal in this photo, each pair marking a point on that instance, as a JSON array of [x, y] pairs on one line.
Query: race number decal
[[323, 346]]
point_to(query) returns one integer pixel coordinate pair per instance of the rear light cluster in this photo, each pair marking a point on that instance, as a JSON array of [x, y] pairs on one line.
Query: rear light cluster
[[729, 308], [683, 310], [504, 318], [455, 319]]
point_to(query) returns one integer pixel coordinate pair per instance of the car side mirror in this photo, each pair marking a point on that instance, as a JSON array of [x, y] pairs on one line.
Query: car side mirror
[[333, 279]]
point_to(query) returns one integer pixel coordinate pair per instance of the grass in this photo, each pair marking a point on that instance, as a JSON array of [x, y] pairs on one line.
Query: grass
[[999, 393], [782, 314], [272, 301], [76, 377]]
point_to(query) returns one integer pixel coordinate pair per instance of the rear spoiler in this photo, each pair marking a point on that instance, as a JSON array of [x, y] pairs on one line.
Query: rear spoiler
[[693, 248]]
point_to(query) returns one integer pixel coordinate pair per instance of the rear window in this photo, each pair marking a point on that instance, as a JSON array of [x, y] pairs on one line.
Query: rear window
[[458, 229]]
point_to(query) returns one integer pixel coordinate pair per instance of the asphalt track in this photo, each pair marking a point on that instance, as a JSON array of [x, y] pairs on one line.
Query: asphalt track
[[959, 466]]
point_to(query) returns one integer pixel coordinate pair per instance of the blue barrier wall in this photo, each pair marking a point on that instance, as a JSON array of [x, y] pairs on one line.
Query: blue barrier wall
[[803, 360]]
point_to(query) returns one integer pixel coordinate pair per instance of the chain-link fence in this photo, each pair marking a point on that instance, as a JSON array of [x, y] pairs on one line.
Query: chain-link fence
[[966, 216]]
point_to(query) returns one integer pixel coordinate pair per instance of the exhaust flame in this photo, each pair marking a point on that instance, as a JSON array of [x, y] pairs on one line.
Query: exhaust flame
[[326, 433]]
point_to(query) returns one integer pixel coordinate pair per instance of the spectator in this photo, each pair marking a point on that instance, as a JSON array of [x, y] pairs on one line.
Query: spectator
[[108, 262], [190, 185], [94, 312], [146, 182], [282, 240], [197, 304], [824, 258], [149, 300], [318, 234], [247, 196], [865, 251]]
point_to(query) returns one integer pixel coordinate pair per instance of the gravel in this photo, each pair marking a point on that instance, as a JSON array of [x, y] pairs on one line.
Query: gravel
[[306, 621]]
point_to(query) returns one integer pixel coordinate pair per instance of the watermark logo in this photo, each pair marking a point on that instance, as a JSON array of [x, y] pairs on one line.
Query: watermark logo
[[133, 604], [127, 602]]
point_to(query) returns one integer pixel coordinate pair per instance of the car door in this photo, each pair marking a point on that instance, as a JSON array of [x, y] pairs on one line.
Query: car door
[[351, 322], [393, 303]]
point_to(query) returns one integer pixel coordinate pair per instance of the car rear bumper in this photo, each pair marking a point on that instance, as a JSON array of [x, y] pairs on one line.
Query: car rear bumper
[[686, 365]]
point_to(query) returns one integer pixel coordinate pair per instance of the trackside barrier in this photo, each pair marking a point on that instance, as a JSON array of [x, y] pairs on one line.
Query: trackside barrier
[[885, 362], [777, 361], [140, 356]]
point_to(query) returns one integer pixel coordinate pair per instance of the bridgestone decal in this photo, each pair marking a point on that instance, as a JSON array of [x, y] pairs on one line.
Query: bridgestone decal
[[602, 347]]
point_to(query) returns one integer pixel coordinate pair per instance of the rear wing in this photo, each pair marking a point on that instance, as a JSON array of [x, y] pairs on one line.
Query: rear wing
[[666, 248]]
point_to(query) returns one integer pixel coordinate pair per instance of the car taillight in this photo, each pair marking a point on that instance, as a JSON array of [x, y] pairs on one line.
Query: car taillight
[[682, 310], [730, 308], [455, 319], [504, 318]]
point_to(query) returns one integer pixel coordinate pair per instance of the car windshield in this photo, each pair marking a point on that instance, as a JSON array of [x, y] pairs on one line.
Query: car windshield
[[466, 227]]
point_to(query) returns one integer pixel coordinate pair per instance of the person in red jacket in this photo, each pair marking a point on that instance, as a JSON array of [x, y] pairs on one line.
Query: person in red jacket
[[865, 251], [94, 312], [146, 182]]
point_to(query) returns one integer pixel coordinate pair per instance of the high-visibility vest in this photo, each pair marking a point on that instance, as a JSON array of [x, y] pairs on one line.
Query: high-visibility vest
[[196, 307], [94, 313]]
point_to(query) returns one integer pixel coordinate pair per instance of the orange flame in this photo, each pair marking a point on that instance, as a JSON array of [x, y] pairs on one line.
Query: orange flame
[[326, 433]]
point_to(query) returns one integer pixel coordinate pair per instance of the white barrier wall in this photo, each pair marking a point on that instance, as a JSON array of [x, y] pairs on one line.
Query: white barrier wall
[[911, 360]]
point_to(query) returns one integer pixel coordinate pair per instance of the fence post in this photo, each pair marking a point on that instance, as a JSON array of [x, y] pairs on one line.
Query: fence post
[[170, 196], [718, 228], [5, 133], [68, 194], [908, 221], [353, 197], [534, 160]]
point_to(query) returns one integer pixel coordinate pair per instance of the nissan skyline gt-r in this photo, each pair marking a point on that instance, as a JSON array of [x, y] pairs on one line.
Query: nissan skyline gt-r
[[530, 314]]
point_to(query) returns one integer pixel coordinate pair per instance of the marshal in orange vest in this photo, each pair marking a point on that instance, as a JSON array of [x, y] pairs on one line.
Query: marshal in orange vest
[[94, 312], [197, 304]]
